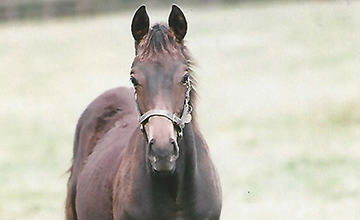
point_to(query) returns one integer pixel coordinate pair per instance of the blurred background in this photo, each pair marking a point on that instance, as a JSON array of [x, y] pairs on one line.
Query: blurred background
[[279, 88]]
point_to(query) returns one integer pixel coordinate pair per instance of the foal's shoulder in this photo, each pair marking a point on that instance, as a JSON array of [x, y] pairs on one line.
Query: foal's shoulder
[[101, 115], [109, 103]]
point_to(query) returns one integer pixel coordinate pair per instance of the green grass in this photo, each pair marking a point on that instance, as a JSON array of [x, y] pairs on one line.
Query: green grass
[[279, 104]]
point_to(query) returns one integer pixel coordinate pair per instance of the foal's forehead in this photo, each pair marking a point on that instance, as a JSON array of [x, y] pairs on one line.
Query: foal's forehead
[[167, 65]]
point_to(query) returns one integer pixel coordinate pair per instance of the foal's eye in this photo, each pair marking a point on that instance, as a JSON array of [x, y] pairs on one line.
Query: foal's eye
[[134, 81], [185, 78]]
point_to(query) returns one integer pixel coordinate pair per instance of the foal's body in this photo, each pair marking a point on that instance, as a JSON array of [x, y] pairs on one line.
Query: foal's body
[[145, 196], [159, 169], [113, 110]]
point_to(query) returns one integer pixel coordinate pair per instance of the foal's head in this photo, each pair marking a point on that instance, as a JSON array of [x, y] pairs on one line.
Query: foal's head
[[161, 77]]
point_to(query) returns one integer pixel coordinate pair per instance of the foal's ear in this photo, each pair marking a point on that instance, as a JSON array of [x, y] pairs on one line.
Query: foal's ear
[[177, 22], [140, 23]]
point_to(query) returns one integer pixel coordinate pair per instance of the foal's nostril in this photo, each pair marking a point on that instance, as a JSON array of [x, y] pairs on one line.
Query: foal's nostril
[[175, 154], [151, 154], [150, 144]]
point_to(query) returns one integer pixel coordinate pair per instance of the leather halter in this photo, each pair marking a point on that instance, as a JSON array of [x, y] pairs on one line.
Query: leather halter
[[179, 122]]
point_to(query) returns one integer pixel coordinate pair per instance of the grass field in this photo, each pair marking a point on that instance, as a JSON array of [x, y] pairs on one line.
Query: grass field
[[279, 87]]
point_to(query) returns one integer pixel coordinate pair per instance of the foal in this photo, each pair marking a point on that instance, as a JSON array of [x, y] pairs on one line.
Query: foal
[[138, 153]]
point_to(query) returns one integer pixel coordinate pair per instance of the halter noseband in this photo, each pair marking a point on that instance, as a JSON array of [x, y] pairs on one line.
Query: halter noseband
[[178, 121]]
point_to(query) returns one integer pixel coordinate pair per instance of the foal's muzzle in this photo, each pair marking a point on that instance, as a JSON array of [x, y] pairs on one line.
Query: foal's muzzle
[[163, 156]]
